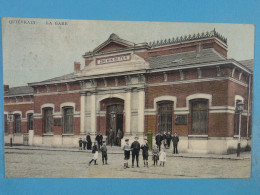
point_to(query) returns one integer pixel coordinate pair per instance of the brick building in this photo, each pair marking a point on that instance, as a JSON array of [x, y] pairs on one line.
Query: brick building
[[185, 85]]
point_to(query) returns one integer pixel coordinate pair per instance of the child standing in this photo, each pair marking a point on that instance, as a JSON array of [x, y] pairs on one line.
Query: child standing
[[80, 143], [162, 157], [95, 156], [155, 155], [145, 148], [127, 149], [104, 152]]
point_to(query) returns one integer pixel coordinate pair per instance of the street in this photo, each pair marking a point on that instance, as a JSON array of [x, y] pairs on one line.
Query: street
[[68, 164]]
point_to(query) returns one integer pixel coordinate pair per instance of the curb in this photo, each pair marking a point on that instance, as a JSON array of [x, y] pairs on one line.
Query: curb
[[186, 155]]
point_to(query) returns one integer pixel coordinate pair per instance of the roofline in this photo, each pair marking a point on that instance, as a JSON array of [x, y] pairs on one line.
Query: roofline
[[150, 70], [19, 95]]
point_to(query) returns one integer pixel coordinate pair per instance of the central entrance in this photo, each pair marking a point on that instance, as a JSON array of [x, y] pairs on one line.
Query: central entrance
[[115, 119]]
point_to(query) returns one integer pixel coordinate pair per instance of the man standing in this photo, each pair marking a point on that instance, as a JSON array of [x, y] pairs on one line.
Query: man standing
[[145, 148], [111, 136], [135, 152], [99, 139], [118, 137], [175, 140], [158, 140], [89, 142], [104, 152], [169, 138]]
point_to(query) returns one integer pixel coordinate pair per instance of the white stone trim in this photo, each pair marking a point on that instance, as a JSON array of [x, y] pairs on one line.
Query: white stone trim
[[199, 80], [29, 112], [238, 97], [199, 96], [165, 98], [13, 103], [48, 105], [108, 96], [68, 104]]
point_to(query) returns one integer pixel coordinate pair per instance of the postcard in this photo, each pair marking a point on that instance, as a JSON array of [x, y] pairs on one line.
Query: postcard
[[124, 99]]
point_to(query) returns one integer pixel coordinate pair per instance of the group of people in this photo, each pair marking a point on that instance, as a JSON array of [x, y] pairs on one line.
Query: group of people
[[115, 139], [135, 148], [87, 143], [158, 153], [166, 139]]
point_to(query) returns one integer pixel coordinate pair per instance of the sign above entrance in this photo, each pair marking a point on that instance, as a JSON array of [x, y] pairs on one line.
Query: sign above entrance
[[113, 59]]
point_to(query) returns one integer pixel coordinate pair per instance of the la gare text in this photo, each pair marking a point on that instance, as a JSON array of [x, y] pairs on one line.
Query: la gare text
[[58, 23]]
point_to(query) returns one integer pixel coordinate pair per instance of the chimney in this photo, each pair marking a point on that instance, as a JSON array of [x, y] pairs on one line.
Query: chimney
[[6, 88], [198, 50], [77, 66]]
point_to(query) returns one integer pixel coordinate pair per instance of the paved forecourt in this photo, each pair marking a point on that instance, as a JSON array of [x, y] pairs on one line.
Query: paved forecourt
[[23, 163]]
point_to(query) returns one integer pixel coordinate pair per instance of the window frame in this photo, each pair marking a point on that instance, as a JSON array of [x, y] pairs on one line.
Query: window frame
[[64, 120], [45, 120], [6, 124], [167, 111], [17, 123], [30, 123], [206, 101]]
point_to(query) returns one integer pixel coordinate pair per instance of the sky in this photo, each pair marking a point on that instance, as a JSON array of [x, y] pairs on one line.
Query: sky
[[40, 49]]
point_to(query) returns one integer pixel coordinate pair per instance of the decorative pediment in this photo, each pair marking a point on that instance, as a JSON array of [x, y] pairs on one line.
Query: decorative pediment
[[113, 43]]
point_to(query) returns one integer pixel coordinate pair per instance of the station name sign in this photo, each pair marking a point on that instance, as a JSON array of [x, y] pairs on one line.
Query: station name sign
[[113, 59]]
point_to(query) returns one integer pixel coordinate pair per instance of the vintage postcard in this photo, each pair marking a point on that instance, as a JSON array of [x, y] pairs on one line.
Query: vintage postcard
[[122, 99]]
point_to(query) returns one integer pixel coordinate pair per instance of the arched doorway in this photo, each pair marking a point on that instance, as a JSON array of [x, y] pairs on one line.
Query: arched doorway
[[113, 121]]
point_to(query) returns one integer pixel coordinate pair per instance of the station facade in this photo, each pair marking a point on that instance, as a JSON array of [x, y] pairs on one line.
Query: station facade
[[186, 85]]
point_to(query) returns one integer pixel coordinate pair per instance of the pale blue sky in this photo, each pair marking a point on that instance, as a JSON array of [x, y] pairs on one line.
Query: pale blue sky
[[35, 52]]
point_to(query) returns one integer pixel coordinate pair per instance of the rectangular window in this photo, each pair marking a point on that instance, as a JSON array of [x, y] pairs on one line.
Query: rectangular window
[[30, 121], [165, 110], [68, 120], [199, 116], [48, 120], [17, 123], [6, 124]]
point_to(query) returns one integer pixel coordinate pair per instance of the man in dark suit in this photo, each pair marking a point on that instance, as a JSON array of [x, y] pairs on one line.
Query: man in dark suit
[[158, 140], [135, 147], [99, 139], [175, 140]]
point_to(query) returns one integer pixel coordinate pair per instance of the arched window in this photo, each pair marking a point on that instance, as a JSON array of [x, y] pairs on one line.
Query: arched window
[[68, 120], [165, 110], [199, 116], [17, 123], [48, 120], [6, 124]]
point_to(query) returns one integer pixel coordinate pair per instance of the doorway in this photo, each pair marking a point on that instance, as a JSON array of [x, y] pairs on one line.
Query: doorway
[[115, 123]]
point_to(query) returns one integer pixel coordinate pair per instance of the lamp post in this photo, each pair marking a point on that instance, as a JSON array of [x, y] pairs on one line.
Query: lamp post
[[240, 108], [10, 117]]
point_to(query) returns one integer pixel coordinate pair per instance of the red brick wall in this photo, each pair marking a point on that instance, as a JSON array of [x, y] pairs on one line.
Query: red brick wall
[[173, 76], [87, 62], [155, 78], [209, 72], [57, 100], [19, 107], [121, 81]]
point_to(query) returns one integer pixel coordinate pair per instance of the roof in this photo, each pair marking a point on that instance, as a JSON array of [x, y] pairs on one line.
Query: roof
[[248, 63], [23, 90], [178, 59], [64, 77]]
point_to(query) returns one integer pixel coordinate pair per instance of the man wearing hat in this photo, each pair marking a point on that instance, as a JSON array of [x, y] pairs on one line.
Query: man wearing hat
[[104, 152], [135, 152], [145, 148], [127, 150]]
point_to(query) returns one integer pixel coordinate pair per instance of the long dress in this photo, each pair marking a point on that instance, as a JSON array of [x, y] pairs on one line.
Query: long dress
[[89, 143]]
